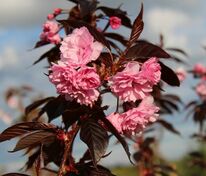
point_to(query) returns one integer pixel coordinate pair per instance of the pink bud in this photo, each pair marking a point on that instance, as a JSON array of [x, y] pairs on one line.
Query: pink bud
[[115, 22], [50, 16], [57, 11]]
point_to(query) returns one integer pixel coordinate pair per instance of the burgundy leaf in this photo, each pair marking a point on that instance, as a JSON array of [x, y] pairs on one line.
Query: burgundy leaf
[[143, 49], [137, 28], [41, 43], [190, 104], [114, 131], [53, 152], [36, 104], [87, 7], [169, 76], [34, 138], [55, 107], [89, 170], [95, 137], [118, 13], [52, 55], [168, 126], [32, 158], [177, 50], [23, 128], [15, 174]]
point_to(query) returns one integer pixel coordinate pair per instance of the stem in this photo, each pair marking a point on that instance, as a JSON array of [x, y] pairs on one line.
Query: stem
[[62, 166], [68, 142]]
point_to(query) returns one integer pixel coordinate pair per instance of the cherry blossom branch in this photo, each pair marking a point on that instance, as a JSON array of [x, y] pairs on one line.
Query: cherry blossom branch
[[68, 138]]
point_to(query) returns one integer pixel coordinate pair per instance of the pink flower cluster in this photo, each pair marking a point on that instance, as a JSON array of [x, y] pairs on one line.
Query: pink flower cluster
[[135, 82], [201, 89], [181, 74], [199, 69], [78, 84], [115, 22], [50, 32], [135, 120], [71, 76], [79, 48], [56, 12]]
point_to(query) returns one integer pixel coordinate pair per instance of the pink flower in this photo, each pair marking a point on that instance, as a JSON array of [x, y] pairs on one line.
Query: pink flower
[[201, 89], [181, 74], [49, 34], [79, 84], [50, 16], [5, 117], [79, 48], [132, 84], [136, 119], [57, 11], [55, 39], [199, 69], [151, 70], [115, 22], [116, 121]]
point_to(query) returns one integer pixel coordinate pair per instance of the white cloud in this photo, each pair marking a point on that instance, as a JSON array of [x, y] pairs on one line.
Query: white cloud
[[27, 12], [170, 23], [8, 58]]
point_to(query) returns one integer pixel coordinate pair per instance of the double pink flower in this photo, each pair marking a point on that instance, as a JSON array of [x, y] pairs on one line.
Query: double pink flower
[[50, 32], [136, 119], [79, 48], [135, 82], [71, 76], [78, 84]]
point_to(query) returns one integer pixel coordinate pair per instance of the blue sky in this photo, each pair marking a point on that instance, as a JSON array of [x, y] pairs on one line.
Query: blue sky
[[182, 22]]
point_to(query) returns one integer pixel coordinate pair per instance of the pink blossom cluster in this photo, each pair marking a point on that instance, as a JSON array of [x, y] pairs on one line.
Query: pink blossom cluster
[[136, 82], [79, 48], [115, 22], [78, 84], [199, 69], [201, 89], [135, 120], [71, 76], [50, 32], [181, 74], [56, 12]]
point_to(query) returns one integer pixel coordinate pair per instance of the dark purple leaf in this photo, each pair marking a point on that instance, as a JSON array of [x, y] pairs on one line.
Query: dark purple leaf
[[168, 126], [177, 50], [52, 55], [55, 107], [114, 131], [118, 13], [169, 76], [23, 128], [89, 170], [36, 104], [15, 174], [143, 49], [32, 158], [137, 27], [41, 43], [191, 104], [34, 138], [53, 152], [95, 137], [87, 7]]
